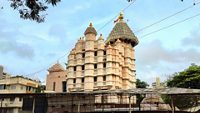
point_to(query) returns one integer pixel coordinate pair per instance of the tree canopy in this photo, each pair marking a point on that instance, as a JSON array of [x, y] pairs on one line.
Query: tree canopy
[[32, 9], [141, 84], [189, 78]]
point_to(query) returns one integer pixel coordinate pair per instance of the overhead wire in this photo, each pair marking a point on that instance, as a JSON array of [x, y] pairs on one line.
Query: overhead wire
[[44, 69], [111, 20], [171, 25], [170, 16]]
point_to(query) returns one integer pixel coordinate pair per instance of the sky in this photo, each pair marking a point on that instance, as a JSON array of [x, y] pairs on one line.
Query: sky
[[28, 47]]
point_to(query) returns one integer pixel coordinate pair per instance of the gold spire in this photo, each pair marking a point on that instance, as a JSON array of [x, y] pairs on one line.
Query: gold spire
[[121, 16], [90, 24]]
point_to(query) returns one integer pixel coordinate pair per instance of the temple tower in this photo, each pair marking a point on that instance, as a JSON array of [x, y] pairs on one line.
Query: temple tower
[[123, 39], [95, 64]]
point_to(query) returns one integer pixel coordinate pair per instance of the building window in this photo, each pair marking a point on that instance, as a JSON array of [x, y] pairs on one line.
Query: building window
[[64, 86], [95, 53], [83, 55], [74, 68], [104, 65], [54, 86], [12, 99], [2, 87], [74, 81], [83, 67], [95, 79], [13, 87], [104, 78], [28, 88], [95, 66], [82, 80], [104, 52], [20, 99]]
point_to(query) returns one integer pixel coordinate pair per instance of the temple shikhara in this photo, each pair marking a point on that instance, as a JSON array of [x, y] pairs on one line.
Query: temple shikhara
[[96, 63]]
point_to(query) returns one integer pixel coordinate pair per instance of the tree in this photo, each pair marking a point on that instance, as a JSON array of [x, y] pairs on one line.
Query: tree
[[40, 89], [189, 78], [32, 9], [140, 84]]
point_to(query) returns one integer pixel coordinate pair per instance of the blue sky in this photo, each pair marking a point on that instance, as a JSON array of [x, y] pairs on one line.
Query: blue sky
[[27, 47]]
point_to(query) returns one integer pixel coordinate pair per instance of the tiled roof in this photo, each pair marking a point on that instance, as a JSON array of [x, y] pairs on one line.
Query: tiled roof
[[56, 68], [122, 31]]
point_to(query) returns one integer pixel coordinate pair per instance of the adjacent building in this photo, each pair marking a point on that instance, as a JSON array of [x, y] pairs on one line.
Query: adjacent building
[[56, 79], [98, 64], [14, 84]]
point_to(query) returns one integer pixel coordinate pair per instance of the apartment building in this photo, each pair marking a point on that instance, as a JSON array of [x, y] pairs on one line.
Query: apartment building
[[14, 84]]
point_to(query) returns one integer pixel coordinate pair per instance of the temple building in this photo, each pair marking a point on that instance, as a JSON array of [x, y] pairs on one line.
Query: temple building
[[98, 64], [56, 79]]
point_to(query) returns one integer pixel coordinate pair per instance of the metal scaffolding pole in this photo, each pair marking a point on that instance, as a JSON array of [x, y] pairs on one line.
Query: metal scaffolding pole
[[130, 104], [172, 104], [33, 110]]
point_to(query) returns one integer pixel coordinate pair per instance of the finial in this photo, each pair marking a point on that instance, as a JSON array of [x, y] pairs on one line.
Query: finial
[[101, 37], [91, 24], [121, 16]]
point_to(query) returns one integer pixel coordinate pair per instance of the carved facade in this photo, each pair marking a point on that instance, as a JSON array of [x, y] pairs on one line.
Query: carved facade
[[95, 64]]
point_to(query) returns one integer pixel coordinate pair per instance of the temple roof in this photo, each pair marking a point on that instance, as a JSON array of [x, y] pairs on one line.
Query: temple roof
[[122, 31], [56, 68], [91, 30]]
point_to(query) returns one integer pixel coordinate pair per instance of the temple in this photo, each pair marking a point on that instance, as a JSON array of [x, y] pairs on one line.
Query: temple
[[98, 64]]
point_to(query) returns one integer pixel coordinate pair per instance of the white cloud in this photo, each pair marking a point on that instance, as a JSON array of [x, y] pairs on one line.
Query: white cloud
[[152, 60]]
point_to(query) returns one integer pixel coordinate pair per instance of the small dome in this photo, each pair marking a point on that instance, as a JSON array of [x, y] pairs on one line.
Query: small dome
[[1, 67], [101, 37], [56, 68], [90, 30]]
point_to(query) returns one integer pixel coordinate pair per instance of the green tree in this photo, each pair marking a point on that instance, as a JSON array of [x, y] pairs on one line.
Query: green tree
[[189, 78], [140, 84], [32, 9], [40, 89]]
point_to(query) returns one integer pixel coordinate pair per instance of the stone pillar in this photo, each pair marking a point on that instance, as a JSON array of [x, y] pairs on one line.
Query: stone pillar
[[89, 61]]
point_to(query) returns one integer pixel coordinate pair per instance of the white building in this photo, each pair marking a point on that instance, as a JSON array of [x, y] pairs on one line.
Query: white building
[[14, 84]]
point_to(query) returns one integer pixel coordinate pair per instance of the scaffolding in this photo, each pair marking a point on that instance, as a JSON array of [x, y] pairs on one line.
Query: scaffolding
[[110, 101]]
